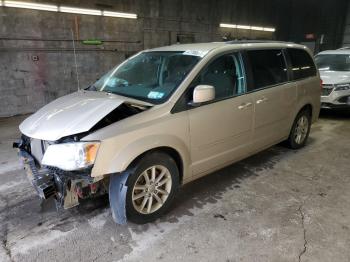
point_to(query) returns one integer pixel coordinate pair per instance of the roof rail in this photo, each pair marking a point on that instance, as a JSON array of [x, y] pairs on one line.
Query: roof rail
[[344, 48], [254, 41]]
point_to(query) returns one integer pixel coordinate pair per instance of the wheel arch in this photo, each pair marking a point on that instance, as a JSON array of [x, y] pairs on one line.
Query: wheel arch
[[173, 153], [290, 142], [307, 107], [304, 106], [115, 158]]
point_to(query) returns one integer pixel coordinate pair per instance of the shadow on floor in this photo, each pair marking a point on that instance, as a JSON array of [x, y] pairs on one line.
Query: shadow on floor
[[335, 114]]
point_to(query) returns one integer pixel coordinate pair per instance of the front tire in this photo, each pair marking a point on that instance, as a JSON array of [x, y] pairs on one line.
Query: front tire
[[300, 130], [152, 186]]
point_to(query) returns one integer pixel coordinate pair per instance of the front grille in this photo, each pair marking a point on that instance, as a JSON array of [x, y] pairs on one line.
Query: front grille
[[327, 89]]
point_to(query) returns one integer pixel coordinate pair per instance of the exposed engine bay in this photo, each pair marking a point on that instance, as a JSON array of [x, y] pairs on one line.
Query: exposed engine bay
[[123, 111]]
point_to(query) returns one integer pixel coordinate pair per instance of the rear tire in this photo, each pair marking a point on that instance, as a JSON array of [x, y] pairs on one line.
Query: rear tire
[[300, 130], [152, 187]]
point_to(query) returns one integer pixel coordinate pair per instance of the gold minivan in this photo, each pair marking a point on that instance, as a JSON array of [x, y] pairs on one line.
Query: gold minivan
[[167, 116]]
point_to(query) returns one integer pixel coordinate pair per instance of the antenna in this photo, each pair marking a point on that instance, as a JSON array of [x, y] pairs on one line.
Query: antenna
[[75, 59]]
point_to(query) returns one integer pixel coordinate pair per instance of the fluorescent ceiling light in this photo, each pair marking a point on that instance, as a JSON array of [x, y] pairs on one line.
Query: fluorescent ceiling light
[[243, 27], [84, 11], [248, 27], [119, 14], [27, 5], [65, 9], [269, 29], [257, 28], [228, 25]]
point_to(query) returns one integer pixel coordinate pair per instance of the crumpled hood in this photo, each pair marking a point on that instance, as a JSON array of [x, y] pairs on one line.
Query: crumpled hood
[[70, 114], [334, 77]]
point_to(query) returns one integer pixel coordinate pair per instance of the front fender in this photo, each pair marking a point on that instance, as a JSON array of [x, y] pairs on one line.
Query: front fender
[[111, 160]]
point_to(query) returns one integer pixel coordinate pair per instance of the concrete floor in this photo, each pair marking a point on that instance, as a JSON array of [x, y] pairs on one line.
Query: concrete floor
[[279, 205]]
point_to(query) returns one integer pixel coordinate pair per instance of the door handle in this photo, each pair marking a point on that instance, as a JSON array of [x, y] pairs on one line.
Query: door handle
[[244, 105], [264, 99]]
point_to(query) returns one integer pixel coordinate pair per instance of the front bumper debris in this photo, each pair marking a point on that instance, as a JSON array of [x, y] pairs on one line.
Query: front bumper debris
[[65, 187], [42, 180]]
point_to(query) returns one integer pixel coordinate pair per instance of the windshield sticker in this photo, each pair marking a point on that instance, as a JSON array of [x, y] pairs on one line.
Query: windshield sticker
[[155, 95], [112, 81], [195, 53]]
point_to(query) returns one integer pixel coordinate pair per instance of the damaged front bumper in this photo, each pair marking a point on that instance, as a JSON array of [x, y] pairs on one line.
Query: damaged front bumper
[[65, 187]]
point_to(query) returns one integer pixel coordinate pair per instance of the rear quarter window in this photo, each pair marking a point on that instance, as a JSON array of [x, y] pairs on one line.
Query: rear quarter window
[[302, 64]]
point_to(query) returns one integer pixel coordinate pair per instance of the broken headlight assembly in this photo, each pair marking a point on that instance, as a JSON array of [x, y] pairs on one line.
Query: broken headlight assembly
[[71, 156]]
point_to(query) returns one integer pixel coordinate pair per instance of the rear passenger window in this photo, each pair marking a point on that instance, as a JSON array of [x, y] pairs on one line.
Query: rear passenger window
[[302, 64], [268, 67]]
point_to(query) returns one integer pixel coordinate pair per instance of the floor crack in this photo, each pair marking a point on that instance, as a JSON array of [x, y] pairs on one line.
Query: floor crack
[[6, 231], [5, 244], [304, 232]]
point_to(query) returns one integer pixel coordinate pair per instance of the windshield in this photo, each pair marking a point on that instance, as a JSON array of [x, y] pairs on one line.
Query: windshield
[[333, 62], [149, 76]]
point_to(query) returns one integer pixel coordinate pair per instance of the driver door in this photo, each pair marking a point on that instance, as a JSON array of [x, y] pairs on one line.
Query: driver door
[[221, 131]]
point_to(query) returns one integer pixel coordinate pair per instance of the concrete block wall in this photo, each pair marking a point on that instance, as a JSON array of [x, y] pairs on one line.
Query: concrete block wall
[[36, 55], [346, 36]]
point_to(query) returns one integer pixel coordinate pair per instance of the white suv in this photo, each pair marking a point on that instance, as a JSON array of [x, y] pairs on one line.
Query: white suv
[[168, 116], [334, 68]]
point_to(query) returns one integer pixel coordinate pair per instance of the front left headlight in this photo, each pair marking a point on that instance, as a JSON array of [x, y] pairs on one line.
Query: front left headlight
[[341, 87], [71, 156]]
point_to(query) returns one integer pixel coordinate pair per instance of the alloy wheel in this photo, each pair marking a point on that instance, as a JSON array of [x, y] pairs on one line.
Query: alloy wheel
[[151, 189], [301, 129]]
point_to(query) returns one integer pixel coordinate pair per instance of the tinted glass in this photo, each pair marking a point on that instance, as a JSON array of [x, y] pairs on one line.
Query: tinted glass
[[302, 64], [333, 62], [268, 67], [149, 76]]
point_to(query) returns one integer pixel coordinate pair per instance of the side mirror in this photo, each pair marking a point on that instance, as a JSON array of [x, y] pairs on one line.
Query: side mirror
[[202, 94]]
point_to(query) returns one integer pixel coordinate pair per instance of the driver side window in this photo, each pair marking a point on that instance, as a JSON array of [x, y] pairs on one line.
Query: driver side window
[[225, 73]]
